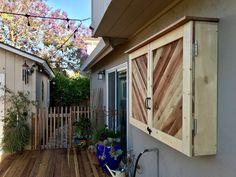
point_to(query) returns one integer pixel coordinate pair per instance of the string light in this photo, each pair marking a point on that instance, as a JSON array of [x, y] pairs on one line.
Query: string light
[[68, 23], [61, 46], [52, 18], [44, 17]]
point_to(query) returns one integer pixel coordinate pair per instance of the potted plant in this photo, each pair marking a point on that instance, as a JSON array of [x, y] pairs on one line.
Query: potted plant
[[109, 149], [82, 132]]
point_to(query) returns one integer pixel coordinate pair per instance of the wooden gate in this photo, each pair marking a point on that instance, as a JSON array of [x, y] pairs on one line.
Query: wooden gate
[[53, 128]]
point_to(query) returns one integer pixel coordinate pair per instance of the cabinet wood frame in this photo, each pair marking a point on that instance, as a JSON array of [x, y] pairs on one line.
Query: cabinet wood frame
[[203, 139]]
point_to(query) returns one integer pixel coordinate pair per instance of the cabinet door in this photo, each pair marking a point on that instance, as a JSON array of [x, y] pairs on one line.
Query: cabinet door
[[138, 66], [171, 68], [168, 88]]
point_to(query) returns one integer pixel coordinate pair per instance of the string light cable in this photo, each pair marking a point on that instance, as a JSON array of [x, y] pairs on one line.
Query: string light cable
[[61, 46], [52, 18], [44, 17]]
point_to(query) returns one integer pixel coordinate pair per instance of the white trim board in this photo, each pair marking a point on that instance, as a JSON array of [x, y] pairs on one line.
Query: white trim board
[[118, 68]]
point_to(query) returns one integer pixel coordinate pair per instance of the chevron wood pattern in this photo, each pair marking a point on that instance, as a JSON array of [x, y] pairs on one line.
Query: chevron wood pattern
[[139, 88], [167, 88]]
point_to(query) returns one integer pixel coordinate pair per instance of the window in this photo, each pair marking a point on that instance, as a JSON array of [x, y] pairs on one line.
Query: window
[[42, 91], [116, 79]]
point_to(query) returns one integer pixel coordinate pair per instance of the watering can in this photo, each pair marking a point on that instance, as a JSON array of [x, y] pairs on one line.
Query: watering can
[[115, 173]]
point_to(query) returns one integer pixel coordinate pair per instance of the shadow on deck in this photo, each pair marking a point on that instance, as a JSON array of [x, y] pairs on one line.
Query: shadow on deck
[[51, 163]]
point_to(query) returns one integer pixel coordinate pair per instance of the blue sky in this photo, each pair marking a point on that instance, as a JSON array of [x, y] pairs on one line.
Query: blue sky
[[79, 9]]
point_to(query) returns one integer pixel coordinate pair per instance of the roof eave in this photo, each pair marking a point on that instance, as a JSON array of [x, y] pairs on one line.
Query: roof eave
[[29, 56], [103, 48]]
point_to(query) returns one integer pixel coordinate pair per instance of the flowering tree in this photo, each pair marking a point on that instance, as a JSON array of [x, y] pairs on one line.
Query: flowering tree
[[46, 38]]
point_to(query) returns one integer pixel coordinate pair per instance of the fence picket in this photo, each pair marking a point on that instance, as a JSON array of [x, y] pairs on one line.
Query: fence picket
[[50, 120], [53, 127], [78, 113], [47, 129], [61, 128], [65, 127], [70, 130]]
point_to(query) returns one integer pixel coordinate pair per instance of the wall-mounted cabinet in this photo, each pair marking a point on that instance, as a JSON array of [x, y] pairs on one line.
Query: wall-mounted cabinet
[[173, 86]]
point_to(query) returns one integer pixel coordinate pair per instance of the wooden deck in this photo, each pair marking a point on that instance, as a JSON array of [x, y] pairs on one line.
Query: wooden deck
[[51, 163]]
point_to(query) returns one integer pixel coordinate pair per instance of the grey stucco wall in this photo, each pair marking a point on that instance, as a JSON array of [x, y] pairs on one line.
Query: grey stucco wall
[[173, 163]]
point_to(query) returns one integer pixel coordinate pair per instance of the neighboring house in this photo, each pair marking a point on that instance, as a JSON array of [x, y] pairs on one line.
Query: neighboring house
[[21, 71], [91, 44], [134, 32]]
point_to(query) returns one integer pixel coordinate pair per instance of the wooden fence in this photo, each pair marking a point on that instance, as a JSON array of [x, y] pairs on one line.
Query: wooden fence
[[53, 127]]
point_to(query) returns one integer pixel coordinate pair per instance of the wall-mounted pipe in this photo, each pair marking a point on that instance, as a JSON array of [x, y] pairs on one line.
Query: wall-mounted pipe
[[140, 154]]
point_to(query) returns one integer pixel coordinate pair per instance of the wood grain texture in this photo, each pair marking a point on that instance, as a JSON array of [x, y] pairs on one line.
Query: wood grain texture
[[167, 88], [50, 163], [139, 88], [205, 106]]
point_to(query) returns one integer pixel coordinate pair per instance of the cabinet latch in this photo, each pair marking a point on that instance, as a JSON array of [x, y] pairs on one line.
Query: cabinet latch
[[149, 130], [146, 103]]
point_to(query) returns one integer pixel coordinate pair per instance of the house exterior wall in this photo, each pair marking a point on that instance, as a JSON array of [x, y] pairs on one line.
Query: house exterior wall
[[113, 59], [171, 162], [11, 67]]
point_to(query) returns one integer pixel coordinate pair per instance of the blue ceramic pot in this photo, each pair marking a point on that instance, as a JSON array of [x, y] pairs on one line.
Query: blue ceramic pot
[[79, 141], [104, 157], [76, 141]]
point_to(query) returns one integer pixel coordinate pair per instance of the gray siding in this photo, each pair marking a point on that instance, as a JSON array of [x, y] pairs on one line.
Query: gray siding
[[173, 163]]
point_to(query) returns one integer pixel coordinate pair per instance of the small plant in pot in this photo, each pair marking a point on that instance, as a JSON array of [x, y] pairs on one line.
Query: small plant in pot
[[82, 132], [109, 149], [16, 131]]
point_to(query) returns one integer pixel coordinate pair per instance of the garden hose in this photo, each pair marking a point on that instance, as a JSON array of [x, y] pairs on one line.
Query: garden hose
[[140, 154]]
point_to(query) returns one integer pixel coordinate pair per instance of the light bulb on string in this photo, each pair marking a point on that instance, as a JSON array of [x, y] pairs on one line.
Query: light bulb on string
[[27, 16], [75, 33], [68, 23]]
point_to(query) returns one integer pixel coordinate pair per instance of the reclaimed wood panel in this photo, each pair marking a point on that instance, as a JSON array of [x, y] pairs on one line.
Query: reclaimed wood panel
[[139, 88], [167, 88]]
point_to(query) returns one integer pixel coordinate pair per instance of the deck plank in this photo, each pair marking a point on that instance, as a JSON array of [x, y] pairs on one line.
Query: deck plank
[[50, 163]]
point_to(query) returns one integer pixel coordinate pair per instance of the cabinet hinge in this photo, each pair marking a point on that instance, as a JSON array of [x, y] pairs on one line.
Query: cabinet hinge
[[195, 48], [194, 127]]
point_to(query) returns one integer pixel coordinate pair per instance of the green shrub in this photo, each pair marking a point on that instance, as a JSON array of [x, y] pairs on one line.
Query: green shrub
[[105, 133], [83, 128], [15, 138], [16, 131], [66, 91]]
